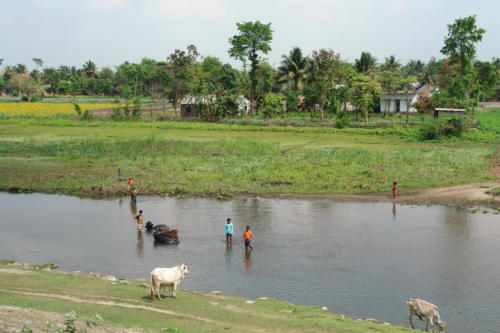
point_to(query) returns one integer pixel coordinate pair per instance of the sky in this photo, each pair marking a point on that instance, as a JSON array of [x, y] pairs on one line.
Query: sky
[[110, 32]]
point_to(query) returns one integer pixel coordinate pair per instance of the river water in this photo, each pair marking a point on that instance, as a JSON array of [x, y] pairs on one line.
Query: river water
[[359, 259]]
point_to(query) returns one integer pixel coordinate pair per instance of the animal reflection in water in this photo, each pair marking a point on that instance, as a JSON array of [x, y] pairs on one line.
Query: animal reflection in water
[[163, 234]]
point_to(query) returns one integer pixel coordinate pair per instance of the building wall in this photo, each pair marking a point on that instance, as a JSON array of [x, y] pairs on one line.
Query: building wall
[[391, 100]]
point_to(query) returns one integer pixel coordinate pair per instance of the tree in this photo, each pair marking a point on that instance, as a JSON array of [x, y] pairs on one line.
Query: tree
[[1, 61], [293, 68], [24, 84], [20, 69], [365, 63], [487, 77], [460, 46], [253, 37], [180, 69], [365, 91], [391, 63], [390, 80], [90, 69], [432, 70], [325, 68], [38, 62]]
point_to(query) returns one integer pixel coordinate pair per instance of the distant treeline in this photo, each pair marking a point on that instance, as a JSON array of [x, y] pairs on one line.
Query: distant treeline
[[321, 81]]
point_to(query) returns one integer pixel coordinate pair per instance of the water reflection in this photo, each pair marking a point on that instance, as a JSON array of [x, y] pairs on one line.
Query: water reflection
[[140, 244], [346, 256], [248, 261], [228, 255], [133, 208]]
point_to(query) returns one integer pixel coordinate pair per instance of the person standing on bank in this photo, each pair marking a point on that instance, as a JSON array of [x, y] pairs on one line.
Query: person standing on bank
[[247, 237], [140, 224], [229, 232], [394, 190]]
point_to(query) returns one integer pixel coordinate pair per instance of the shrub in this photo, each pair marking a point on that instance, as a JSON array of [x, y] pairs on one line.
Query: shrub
[[272, 106], [78, 109], [24, 99], [452, 127], [429, 131], [448, 127], [34, 99], [342, 122], [292, 101]]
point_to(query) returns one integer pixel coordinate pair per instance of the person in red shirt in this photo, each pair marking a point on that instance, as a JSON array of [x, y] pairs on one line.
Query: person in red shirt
[[247, 237], [394, 190]]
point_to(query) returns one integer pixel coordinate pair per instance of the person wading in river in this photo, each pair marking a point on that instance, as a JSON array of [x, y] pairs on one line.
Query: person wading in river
[[140, 224], [394, 190], [229, 232], [133, 191], [247, 237]]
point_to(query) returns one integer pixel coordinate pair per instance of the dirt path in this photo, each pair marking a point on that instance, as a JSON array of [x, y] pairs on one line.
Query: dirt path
[[467, 194]]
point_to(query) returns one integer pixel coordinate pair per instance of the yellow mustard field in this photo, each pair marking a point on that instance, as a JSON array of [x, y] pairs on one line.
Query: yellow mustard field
[[47, 109]]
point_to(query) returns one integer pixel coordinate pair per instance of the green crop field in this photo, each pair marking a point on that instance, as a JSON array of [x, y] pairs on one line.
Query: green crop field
[[76, 157]]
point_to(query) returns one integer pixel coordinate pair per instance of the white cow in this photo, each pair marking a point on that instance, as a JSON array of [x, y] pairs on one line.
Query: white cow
[[421, 308], [167, 277]]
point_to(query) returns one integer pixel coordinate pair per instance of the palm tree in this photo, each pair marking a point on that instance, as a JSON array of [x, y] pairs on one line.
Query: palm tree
[[494, 61], [365, 63], [90, 69], [293, 68], [431, 71], [20, 69], [38, 62], [391, 63]]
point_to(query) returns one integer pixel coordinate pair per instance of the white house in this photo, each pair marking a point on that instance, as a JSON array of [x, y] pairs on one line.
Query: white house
[[396, 102], [191, 105]]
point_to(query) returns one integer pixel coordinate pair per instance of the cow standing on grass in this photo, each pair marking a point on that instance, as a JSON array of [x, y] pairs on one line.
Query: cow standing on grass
[[169, 277], [421, 308]]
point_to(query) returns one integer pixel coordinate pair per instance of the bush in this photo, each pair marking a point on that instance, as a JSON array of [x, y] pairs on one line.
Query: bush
[[448, 127], [429, 131], [292, 101], [34, 99], [342, 122], [272, 106], [452, 127], [24, 99]]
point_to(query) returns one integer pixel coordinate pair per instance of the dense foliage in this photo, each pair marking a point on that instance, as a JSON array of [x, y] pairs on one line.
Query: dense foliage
[[321, 83]]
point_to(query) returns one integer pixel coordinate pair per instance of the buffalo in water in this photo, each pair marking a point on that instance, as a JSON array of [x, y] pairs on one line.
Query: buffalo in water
[[162, 233]]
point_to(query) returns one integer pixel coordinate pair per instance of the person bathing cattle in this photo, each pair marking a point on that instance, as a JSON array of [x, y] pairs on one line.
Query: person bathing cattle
[[140, 224]]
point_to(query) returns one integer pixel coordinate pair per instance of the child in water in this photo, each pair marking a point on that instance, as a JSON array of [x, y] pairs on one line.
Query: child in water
[[140, 224], [229, 232], [247, 237], [394, 190]]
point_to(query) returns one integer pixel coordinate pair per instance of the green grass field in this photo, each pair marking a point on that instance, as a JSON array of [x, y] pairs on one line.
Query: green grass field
[[74, 156], [129, 306]]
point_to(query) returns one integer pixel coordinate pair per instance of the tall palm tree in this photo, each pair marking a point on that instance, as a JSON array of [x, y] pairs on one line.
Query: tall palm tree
[[391, 63], [293, 68], [365, 63], [431, 71], [90, 69], [20, 69]]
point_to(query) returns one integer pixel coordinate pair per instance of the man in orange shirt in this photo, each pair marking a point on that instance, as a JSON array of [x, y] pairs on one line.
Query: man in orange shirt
[[247, 237]]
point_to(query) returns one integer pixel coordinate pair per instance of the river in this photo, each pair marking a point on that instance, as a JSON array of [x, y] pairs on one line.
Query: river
[[359, 259]]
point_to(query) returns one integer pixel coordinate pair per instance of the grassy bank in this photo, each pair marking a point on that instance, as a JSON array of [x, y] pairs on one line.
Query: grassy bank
[[127, 305], [82, 157]]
